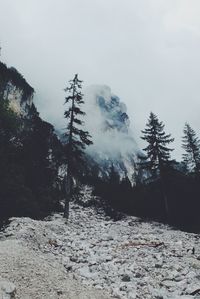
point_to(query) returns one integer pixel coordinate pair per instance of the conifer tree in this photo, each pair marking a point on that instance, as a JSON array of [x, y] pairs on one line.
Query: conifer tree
[[77, 139], [191, 144], [157, 153]]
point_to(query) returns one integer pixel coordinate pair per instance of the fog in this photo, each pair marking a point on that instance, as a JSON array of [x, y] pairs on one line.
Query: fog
[[147, 51], [111, 134]]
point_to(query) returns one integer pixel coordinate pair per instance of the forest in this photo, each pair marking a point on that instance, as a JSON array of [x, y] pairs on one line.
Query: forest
[[41, 173]]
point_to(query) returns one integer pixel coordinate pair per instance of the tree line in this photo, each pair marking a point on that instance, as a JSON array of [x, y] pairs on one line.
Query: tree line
[[163, 188], [38, 171], [30, 155], [32, 158]]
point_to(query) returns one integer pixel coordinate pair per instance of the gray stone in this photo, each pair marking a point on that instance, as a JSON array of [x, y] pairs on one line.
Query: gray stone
[[126, 278], [7, 290]]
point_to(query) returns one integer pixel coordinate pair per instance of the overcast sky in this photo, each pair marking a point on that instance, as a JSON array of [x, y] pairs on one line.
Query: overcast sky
[[147, 51]]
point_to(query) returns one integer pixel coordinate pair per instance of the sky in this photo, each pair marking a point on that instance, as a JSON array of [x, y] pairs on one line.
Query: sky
[[147, 51]]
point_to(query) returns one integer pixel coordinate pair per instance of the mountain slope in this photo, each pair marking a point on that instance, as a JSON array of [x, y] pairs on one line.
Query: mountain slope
[[129, 259], [108, 123], [15, 89]]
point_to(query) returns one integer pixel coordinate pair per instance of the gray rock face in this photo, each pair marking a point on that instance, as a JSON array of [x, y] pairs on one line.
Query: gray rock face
[[114, 143], [7, 290], [17, 102], [15, 89]]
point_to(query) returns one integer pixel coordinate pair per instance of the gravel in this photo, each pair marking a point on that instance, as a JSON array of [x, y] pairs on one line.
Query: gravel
[[128, 259], [37, 276]]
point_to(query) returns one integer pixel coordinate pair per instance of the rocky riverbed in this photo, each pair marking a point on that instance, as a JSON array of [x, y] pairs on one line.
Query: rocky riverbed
[[128, 259]]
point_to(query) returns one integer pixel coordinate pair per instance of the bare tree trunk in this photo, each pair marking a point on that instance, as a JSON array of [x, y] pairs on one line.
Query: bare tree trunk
[[163, 189], [68, 191], [166, 204]]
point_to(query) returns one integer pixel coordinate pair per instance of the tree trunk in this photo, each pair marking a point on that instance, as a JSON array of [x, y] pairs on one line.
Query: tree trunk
[[166, 204], [163, 188], [68, 179], [68, 188]]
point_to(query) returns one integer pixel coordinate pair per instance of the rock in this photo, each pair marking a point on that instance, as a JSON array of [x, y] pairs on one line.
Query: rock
[[116, 256], [7, 290], [158, 265], [193, 289], [181, 297], [138, 275], [196, 265], [86, 273], [126, 278], [132, 295], [168, 283]]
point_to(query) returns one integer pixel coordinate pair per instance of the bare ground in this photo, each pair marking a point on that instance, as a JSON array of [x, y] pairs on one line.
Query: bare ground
[[38, 277]]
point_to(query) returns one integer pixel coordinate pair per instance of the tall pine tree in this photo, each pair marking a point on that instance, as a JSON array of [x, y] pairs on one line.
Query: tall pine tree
[[77, 139], [191, 145], [157, 158]]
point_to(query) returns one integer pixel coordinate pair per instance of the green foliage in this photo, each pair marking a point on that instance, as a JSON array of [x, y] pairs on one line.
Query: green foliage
[[9, 139], [191, 145], [76, 138], [42, 155], [157, 152], [30, 156]]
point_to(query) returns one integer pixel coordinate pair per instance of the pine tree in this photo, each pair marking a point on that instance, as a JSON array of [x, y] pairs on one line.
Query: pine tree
[[157, 153], [157, 158], [191, 144], [77, 139]]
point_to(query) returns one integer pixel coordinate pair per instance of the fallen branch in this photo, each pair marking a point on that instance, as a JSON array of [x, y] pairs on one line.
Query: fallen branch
[[195, 292]]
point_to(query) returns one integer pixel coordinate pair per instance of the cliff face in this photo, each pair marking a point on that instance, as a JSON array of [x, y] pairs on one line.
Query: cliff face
[[15, 89], [113, 141]]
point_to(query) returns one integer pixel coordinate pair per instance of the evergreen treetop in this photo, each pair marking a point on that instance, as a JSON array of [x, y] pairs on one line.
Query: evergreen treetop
[[77, 139], [157, 152], [191, 145]]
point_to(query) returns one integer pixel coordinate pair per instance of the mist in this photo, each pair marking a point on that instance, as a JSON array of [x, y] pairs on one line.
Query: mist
[[108, 123]]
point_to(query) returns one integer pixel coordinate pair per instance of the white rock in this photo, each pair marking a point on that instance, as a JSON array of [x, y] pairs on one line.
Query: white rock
[[192, 288], [101, 252], [7, 290], [132, 295]]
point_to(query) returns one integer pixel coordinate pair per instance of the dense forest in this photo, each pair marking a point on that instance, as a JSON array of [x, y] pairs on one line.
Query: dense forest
[[165, 190], [33, 160], [30, 156]]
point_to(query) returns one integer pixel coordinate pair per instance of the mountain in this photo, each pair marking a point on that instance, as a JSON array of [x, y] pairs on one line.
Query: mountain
[[109, 125], [16, 90], [30, 152], [106, 120]]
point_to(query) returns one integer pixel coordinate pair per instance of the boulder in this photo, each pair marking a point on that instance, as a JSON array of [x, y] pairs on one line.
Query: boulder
[[7, 290]]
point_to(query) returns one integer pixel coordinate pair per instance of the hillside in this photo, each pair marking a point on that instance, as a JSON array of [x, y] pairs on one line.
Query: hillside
[[15, 89], [29, 152]]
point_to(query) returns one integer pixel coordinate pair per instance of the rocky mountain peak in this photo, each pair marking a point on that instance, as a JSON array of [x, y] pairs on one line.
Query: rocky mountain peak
[[108, 122], [15, 89]]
